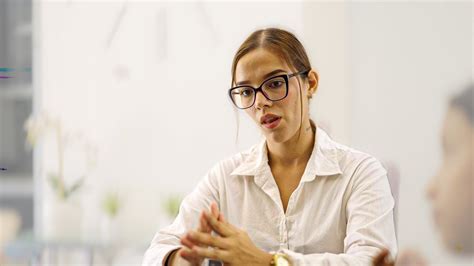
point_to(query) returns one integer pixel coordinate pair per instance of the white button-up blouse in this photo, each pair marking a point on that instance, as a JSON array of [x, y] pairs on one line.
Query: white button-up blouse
[[341, 213]]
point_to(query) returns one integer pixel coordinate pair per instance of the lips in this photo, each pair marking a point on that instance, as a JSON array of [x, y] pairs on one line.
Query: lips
[[269, 118], [270, 121]]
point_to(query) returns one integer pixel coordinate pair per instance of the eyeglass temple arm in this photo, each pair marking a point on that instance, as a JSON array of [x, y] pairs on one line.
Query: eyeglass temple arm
[[305, 72]]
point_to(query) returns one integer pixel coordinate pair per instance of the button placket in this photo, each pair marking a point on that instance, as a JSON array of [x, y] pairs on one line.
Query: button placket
[[283, 232], [286, 231], [289, 215]]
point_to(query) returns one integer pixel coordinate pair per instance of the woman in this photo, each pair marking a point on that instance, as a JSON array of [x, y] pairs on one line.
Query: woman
[[297, 197], [451, 191]]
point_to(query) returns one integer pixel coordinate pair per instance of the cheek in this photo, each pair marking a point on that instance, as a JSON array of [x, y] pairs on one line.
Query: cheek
[[291, 104], [294, 95], [463, 175], [455, 193], [251, 113], [449, 184]]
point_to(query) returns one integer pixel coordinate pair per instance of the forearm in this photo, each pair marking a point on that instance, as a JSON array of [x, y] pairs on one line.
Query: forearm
[[171, 259], [157, 253]]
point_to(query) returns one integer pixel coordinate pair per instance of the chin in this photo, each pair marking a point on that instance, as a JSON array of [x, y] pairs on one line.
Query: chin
[[280, 134], [275, 137]]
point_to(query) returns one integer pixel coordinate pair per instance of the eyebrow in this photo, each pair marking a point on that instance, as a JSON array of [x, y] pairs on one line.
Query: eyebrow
[[264, 76]]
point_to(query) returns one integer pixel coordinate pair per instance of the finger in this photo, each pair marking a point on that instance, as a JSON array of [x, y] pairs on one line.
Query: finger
[[200, 226], [212, 253], [214, 209], [192, 260], [221, 218], [190, 242], [203, 224], [189, 255], [208, 240], [222, 228], [216, 213], [185, 241]]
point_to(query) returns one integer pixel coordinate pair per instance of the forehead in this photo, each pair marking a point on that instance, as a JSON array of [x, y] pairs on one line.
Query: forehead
[[253, 66]]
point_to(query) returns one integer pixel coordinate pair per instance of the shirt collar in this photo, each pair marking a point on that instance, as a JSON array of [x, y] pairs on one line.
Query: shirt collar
[[322, 162], [254, 160]]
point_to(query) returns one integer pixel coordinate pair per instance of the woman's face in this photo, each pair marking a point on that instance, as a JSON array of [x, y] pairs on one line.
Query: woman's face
[[451, 191], [259, 65]]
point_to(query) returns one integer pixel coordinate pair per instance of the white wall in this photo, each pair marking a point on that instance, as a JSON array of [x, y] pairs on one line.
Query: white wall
[[405, 59], [325, 41], [141, 96], [385, 70]]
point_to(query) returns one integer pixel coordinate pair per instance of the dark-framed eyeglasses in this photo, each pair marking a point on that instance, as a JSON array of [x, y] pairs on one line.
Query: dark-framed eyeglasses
[[274, 89]]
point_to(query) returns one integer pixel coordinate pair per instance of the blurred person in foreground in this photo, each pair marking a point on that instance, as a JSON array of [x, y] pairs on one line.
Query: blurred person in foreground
[[451, 190], [297, 197]]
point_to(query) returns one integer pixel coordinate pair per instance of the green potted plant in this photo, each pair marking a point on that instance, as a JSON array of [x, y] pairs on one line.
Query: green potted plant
[[61, 205]]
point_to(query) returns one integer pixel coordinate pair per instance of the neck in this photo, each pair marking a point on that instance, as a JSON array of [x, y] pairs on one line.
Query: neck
[[293, 152]]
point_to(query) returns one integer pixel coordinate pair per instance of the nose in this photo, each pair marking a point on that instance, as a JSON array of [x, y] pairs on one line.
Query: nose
[[261, 101]]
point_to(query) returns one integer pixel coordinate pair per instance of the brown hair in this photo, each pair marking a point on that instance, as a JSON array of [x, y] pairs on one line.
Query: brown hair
[[280, 42], [464, 102]]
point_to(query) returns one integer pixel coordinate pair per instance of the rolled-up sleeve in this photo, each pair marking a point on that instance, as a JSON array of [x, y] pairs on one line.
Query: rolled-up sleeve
[[370, 224], [168, 238]]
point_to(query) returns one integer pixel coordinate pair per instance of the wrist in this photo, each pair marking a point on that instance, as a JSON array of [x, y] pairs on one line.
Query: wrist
[[170, 261], [266, 258], [280, 259]]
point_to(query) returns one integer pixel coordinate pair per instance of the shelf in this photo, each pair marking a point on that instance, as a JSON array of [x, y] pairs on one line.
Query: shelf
[[17, 92], [16, 185]]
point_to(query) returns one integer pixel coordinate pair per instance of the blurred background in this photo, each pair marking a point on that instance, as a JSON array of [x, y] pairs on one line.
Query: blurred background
[[112, 111]]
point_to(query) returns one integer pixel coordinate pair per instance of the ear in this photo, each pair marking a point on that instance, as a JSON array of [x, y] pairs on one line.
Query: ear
[[313, 81]]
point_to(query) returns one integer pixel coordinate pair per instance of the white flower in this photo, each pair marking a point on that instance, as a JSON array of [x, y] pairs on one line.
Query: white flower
[[36, 126]]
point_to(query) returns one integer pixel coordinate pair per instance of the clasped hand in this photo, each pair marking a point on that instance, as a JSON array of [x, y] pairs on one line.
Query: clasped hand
[[229, 244]]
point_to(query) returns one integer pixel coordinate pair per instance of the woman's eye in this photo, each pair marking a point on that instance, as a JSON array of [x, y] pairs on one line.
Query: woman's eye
[[246, 92], [275, 84]]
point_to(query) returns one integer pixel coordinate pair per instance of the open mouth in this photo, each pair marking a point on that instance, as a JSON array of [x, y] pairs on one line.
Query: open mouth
[[270, 121]]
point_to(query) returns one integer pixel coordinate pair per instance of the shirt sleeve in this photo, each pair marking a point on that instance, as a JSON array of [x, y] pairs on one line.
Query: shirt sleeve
[[168, 239], [370, 224]]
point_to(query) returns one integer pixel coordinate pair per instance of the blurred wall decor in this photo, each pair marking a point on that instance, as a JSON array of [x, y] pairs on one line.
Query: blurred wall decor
[[73, 151]]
